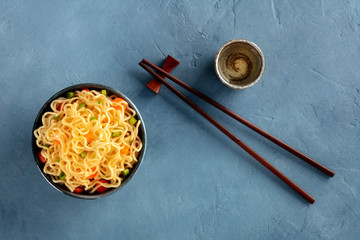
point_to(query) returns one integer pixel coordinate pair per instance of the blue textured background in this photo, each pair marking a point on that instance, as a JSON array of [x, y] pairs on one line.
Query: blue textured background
[[194, 183]]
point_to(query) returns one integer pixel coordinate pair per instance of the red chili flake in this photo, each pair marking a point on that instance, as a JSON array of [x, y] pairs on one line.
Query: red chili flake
[[59, 106]]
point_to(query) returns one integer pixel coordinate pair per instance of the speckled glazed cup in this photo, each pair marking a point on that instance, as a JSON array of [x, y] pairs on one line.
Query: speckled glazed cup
[[239, 64]]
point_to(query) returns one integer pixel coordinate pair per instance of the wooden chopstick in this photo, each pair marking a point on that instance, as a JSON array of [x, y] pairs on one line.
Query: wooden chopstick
[[232, 137], [242, 120]]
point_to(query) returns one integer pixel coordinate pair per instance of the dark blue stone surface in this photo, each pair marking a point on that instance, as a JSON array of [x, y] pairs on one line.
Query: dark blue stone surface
[[194, 183]]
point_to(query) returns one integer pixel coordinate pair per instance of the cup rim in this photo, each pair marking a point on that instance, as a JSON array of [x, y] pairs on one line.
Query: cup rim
[[221, 50], [36, 149]]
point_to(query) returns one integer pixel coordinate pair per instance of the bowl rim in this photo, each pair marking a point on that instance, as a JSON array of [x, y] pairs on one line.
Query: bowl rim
[[217, 60], [38, 123]]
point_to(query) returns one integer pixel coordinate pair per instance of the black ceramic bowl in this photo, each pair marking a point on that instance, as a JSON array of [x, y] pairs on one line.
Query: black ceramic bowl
[[46, 108]]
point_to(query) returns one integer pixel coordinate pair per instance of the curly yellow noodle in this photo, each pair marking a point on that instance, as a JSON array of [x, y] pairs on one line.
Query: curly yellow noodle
[[69, 126]]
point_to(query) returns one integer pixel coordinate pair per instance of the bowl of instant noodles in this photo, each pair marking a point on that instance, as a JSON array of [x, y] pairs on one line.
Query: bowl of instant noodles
[[88, 140]]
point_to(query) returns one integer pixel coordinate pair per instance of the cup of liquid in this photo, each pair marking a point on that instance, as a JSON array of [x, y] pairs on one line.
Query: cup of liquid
[[239, 64]]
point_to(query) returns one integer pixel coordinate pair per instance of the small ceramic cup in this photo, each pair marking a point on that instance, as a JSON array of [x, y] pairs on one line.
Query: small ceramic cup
[[239, 64]]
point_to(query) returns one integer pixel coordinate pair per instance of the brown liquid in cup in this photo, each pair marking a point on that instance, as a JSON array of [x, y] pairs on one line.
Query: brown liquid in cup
[[240, 63]]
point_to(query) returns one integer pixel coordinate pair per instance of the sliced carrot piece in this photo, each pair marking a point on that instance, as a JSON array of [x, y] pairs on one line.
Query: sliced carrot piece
[[106, 119], [92, 175], [57, 142], [125, 150], [118, 100], [89, 137], [121, 101]]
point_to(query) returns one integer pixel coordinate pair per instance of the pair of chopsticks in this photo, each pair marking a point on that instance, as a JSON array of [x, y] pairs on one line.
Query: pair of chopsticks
[[147, 65]]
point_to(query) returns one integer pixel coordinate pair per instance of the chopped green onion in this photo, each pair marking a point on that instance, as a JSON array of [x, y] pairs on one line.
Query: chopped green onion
[[93, 118], [116, 134], [83, 154], [103, 92], [132, 121], [57, 117], [131, 142], [45, 145], [99, 102], [58, 160], [82, 105], [62, 176], [69, 94], [126, 172]]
